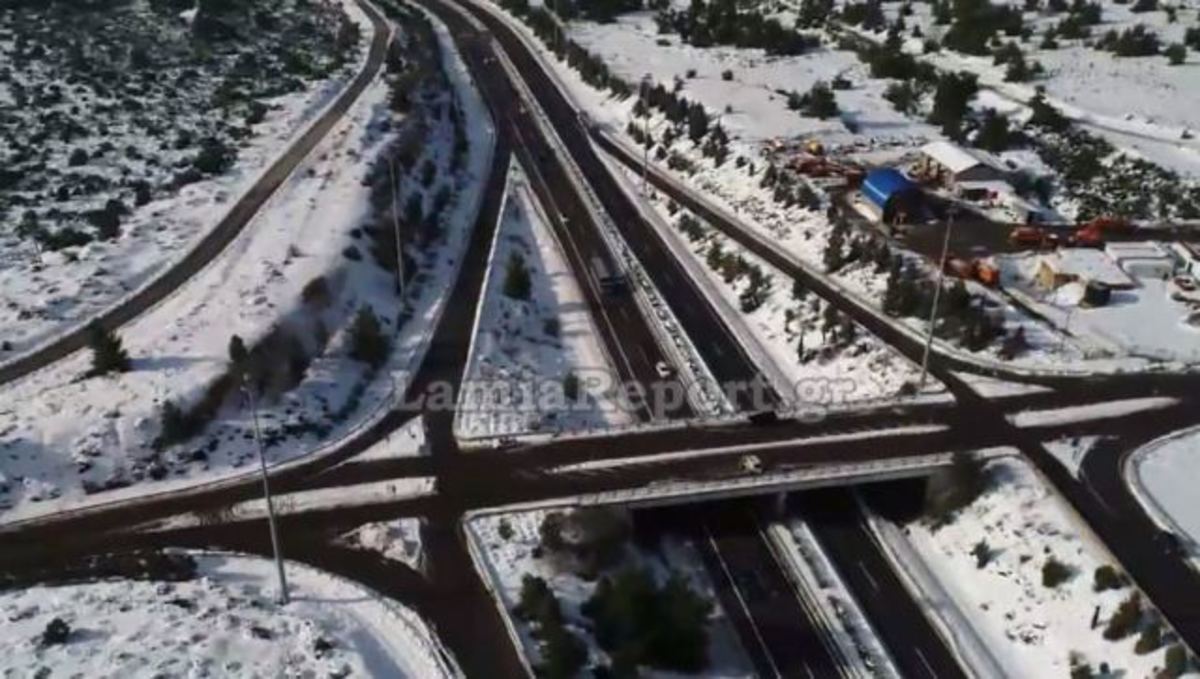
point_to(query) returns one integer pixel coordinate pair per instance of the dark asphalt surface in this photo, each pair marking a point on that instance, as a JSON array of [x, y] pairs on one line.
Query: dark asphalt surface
[[213, 243], [915, 647], [773, 624]]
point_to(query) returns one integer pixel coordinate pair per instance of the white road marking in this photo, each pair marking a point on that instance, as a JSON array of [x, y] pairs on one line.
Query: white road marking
[[874, 584]]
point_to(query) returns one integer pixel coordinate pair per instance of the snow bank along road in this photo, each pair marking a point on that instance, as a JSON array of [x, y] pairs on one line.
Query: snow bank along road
[[225, 230]]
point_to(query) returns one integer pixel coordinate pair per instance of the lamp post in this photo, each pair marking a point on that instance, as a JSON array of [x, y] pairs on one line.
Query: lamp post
[[266, 484], [396, 229], [937, 293]]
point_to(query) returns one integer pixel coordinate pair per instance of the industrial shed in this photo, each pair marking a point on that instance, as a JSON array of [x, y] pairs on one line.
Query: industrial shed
[[950, 164], [895, 197]]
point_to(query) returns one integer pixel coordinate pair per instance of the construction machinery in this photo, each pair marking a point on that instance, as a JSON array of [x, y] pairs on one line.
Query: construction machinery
[[974, 269]]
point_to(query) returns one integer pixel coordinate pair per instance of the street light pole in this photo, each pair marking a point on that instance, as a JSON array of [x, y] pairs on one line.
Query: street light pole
[[396, 229], [646, 134], [266, 484], [937, 293]]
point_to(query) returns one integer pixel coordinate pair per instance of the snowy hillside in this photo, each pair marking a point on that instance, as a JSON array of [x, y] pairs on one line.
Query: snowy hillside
[[120, 152]]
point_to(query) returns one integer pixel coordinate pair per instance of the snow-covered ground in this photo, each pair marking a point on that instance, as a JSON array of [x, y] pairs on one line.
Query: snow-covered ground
[[506, 545], [820, 368], [1071, 451], [225, 622], [62, 437], [1096, 411], [405, 441], [524, 349], [398, 540], [47, 291], [1029, 628], [1156, 103], [1165, 473], [1142, 322]]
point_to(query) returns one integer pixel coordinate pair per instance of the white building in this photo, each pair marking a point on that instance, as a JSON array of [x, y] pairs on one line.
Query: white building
[[951, 164], [1143, 259], [1082, 265]]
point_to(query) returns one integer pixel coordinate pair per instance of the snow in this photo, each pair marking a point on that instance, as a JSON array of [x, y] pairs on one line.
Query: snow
[[507, 560], [1165, 471], [61, 437], [631, 48], [48, 293], [523, 350], [405, 441], [1031, 629], [864, 370], [990, 387], [1087, 264], [306, 501], [843, 616], [953, 157], [398, 540], [215, 625], [1071, 451], [1144, 321], [1071, 414]]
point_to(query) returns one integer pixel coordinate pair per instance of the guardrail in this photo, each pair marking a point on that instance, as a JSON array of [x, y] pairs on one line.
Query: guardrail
[[487, 279], [803, 576], [490, 578], [734, 320]]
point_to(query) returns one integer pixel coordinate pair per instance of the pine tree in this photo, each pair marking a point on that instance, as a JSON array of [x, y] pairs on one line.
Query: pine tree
[[367, 341], [107, 353], [834, 257], [799, 291], [517, 282], [237, 352]]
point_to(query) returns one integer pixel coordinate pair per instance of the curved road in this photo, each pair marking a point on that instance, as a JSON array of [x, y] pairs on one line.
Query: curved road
[[213, 243]]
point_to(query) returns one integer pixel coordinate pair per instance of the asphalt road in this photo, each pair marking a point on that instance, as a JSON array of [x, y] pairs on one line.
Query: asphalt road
[[913, 644], [716, 344], [775, 628], [625, 333], [215, 241]]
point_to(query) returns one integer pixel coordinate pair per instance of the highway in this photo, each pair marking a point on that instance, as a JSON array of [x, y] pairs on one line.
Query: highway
[[768, 612], [771, 620], [624, 332], [1134, 535], [221, 235], [717, 345], [915, 647]]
